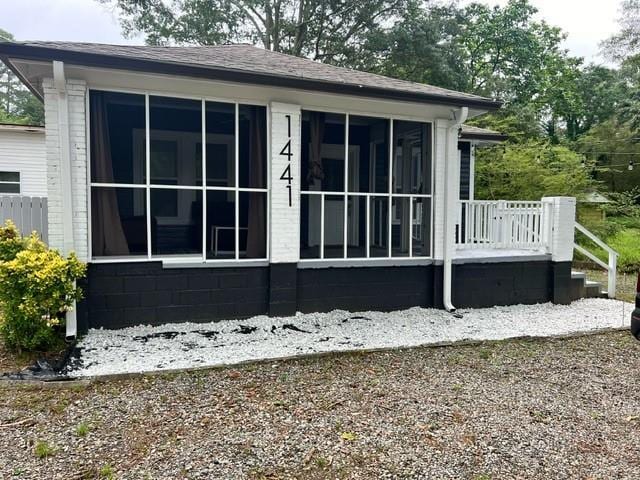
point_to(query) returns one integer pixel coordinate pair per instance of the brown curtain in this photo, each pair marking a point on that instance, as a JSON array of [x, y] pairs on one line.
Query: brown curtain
[[256, 231], [316, 127], [107, 235]]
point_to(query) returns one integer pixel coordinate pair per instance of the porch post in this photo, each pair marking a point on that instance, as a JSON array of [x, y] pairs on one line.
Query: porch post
[[562, 213], [284, 194]]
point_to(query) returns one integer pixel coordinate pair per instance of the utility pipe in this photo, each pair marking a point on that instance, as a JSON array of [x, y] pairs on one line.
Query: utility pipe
[[450, 204]]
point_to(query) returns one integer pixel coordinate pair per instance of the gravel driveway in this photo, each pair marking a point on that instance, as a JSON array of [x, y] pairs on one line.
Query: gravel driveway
[[514, 409]]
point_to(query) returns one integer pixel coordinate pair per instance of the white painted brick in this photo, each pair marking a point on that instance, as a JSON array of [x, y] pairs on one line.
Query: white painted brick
[[76, 91], [563, 229], [285, 218]]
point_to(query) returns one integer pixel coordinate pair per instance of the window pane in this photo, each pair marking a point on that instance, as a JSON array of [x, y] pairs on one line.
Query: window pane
[[220, 226], [118, 221], [221, 156], [9, 176], [253, 146], [118, 151], [176, 218], [421, 227], [379, 227], [253, 225], [9, 188], [323, 137], [400, 227], [368, 154], [334, 226], [175, 132], [412, 157], [357, 227], [309, 226]]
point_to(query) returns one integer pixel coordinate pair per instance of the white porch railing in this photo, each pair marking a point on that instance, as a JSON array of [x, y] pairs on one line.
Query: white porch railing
[[611, 266], [503, 224]]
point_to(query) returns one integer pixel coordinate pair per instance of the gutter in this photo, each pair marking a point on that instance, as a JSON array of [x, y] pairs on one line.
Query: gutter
[[450, 204], [64, 149]]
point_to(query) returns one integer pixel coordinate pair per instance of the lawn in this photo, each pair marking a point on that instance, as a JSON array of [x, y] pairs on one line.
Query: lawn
[[557, 408]]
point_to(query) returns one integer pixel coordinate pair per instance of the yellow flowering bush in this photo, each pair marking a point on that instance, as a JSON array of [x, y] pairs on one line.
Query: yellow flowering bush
[[37, 286]]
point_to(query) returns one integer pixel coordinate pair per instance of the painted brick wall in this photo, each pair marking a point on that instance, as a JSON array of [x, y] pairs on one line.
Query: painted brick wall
[[285, 217], [76, 92], [124, 294], [439, 160]]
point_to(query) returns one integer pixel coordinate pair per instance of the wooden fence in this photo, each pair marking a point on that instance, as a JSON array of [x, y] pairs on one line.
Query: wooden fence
[[28, 213]]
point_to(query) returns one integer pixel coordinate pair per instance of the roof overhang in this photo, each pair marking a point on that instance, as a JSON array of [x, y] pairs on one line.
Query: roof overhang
[[9, 52]]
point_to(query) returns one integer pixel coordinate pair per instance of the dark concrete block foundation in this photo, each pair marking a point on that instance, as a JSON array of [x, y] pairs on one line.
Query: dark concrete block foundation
[[125, 294]]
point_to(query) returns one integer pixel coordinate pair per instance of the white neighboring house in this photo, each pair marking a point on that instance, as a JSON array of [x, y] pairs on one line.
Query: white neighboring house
[[23, 163]]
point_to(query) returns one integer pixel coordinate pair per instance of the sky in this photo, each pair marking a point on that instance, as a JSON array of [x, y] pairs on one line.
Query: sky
[[587, 22]]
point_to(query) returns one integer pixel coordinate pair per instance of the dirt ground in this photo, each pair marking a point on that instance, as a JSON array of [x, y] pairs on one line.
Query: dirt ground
[[558, 408]]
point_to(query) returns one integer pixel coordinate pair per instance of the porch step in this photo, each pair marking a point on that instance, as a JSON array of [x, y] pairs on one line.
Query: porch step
[[583, 288]]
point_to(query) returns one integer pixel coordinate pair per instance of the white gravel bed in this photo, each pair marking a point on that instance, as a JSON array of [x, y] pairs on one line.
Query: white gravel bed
[[189, 345]]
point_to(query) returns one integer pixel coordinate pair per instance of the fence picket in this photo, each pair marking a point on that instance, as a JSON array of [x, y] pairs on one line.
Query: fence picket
[[27, 213]]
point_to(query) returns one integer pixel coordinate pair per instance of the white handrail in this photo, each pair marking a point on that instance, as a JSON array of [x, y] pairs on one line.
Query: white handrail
[[611, 266]]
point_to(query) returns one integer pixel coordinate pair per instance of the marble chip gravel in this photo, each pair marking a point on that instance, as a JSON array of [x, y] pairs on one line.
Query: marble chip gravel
[[189, 345]]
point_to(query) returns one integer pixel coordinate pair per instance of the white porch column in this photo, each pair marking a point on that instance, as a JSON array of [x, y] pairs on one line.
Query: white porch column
[[284, 225], [560, 227], [66, 147]]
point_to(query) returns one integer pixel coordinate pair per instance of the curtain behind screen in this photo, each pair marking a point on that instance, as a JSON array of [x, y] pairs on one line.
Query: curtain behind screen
[[107, 235], [256, 231]]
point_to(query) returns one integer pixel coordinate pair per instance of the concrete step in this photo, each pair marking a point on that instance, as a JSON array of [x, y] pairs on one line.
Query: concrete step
[[583, 288]]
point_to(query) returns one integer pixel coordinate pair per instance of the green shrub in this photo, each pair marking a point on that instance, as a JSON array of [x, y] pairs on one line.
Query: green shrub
[[37, 287]]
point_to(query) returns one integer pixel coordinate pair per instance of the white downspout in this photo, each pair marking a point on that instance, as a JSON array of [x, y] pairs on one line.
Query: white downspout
[[60, 84], [450, 205]]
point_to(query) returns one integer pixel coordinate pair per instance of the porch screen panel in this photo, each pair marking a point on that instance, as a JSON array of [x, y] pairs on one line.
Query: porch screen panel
[[118, 221], [323, 139], [382, 169], [206, 194], [117, 131], [118, 174]]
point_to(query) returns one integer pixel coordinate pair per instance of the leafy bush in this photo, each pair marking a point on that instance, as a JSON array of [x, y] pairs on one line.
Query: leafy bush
[[37, 286]]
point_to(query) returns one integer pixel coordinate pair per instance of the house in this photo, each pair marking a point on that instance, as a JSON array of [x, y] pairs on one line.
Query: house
[[206, 183], [22, 160]]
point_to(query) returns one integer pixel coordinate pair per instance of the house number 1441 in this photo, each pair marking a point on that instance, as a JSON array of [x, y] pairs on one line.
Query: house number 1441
[[286, 151]]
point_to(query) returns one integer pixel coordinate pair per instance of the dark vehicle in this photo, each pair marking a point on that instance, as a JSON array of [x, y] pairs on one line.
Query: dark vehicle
[[635, 316]]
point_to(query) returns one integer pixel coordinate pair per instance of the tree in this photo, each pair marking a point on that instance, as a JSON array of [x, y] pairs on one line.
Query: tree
[[626, 42], [530, 171], [423, 47], [328, 31], [17, 104]]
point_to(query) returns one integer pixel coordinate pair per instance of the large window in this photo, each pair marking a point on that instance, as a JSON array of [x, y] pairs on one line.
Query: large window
[[366, 187], [173, 177]]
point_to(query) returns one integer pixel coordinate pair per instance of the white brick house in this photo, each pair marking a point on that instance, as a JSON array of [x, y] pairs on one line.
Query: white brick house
[[204, 183]]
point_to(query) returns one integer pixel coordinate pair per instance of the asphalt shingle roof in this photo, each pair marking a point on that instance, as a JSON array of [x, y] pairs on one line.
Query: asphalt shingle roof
[[259, 64]]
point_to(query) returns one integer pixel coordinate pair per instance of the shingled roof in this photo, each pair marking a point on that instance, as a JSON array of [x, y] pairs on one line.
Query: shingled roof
[[241, 63], [469, 132]]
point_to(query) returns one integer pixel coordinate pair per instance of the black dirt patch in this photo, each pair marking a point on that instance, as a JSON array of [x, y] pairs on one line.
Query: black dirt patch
[[245, 329], [290, 326]]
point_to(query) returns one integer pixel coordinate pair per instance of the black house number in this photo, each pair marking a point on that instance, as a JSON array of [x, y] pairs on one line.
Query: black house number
[[286, 151]]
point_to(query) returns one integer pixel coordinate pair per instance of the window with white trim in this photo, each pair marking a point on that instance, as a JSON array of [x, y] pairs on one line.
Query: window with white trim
[[366, 187], [9, 182], [176, 177]]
